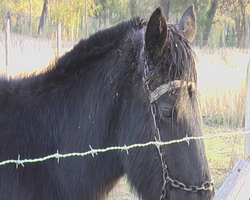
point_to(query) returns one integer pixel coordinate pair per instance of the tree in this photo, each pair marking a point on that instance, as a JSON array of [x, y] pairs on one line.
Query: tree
[[30, 16], [42, 22], [226, 19], [236, 11], [102, 13], [209, 19]]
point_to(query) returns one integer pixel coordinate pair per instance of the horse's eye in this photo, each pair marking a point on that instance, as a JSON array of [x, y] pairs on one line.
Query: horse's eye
[[166, 106], [167, 113]]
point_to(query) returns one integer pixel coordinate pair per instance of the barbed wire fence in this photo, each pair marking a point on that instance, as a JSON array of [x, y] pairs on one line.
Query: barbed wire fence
[[95, 152]]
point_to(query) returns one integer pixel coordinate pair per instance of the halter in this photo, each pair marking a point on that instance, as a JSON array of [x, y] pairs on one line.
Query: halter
[[171, 86], [153, 96]]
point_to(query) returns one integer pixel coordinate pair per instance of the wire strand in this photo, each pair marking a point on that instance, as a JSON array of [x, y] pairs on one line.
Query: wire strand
[[95, 152]]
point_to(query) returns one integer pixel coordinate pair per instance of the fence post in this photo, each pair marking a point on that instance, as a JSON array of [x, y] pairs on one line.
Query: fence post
[[247, 113], [7, 45], [236, 186], [59, 39]]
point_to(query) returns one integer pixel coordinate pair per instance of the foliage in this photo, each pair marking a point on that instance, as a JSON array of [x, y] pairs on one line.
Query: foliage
[[80, 18]]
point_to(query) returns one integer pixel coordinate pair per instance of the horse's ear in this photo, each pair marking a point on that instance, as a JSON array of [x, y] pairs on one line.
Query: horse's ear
[[156, 33], [187, 23]]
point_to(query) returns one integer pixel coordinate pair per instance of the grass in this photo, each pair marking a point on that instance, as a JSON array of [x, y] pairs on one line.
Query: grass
[[222, 76], [222, 153]]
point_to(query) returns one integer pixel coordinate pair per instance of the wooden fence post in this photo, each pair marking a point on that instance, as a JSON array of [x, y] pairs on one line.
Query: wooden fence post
[[236, 186], [247, 113], [7, 45], [59, 39]]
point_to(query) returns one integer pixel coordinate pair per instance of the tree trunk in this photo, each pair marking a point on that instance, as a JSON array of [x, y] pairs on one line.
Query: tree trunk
[[42, 22], [86, 19], [165, 5], [30, 16], [17, 27], [100, 20], [242, 41], [105, 15], [209, 21]]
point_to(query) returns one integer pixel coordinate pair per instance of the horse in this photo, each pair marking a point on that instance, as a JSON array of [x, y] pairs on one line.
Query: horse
[[133, 83]]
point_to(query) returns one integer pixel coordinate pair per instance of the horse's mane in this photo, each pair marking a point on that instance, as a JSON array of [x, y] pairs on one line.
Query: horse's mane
[[96, 46], [77, 61]]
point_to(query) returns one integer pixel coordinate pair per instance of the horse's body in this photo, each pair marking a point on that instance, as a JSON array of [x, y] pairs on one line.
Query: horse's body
[[96, 95]]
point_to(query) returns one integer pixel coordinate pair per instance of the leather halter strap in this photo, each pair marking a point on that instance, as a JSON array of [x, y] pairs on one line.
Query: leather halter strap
[[158, 92]]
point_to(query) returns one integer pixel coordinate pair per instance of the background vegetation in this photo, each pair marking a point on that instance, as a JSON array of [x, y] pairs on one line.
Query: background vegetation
[[220, 22]]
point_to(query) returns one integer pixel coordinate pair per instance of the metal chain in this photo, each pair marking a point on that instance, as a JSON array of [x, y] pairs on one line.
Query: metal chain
[[157, 138], [207, 185]]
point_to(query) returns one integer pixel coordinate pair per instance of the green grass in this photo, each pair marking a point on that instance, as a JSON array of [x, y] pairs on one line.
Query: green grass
[[222, 153]]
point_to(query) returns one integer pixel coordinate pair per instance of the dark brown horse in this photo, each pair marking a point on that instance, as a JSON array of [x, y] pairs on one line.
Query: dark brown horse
[[132, 83]]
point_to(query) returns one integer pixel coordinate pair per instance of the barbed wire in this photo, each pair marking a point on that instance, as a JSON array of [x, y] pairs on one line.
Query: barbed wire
[[126, 148]]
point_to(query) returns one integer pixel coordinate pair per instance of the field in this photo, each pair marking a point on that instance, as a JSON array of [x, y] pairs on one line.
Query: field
[[222, 75]]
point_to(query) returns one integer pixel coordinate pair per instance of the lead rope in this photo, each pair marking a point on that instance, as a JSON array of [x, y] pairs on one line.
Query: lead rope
[[207, 185]]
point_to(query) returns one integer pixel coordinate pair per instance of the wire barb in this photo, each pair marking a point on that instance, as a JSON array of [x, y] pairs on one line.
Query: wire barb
[[187, 139], [19, 162], [57, 155], [126, 149], [93, 151]]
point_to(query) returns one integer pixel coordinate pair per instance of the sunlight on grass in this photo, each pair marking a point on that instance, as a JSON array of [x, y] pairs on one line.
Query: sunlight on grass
[[222, 77], [27, 57], [221, 71]]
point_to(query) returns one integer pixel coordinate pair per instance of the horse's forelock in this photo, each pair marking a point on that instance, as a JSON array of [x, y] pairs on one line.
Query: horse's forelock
[[175, 63]]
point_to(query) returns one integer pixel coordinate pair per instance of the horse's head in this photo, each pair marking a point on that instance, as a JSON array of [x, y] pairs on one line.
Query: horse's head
[[170, 81]]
